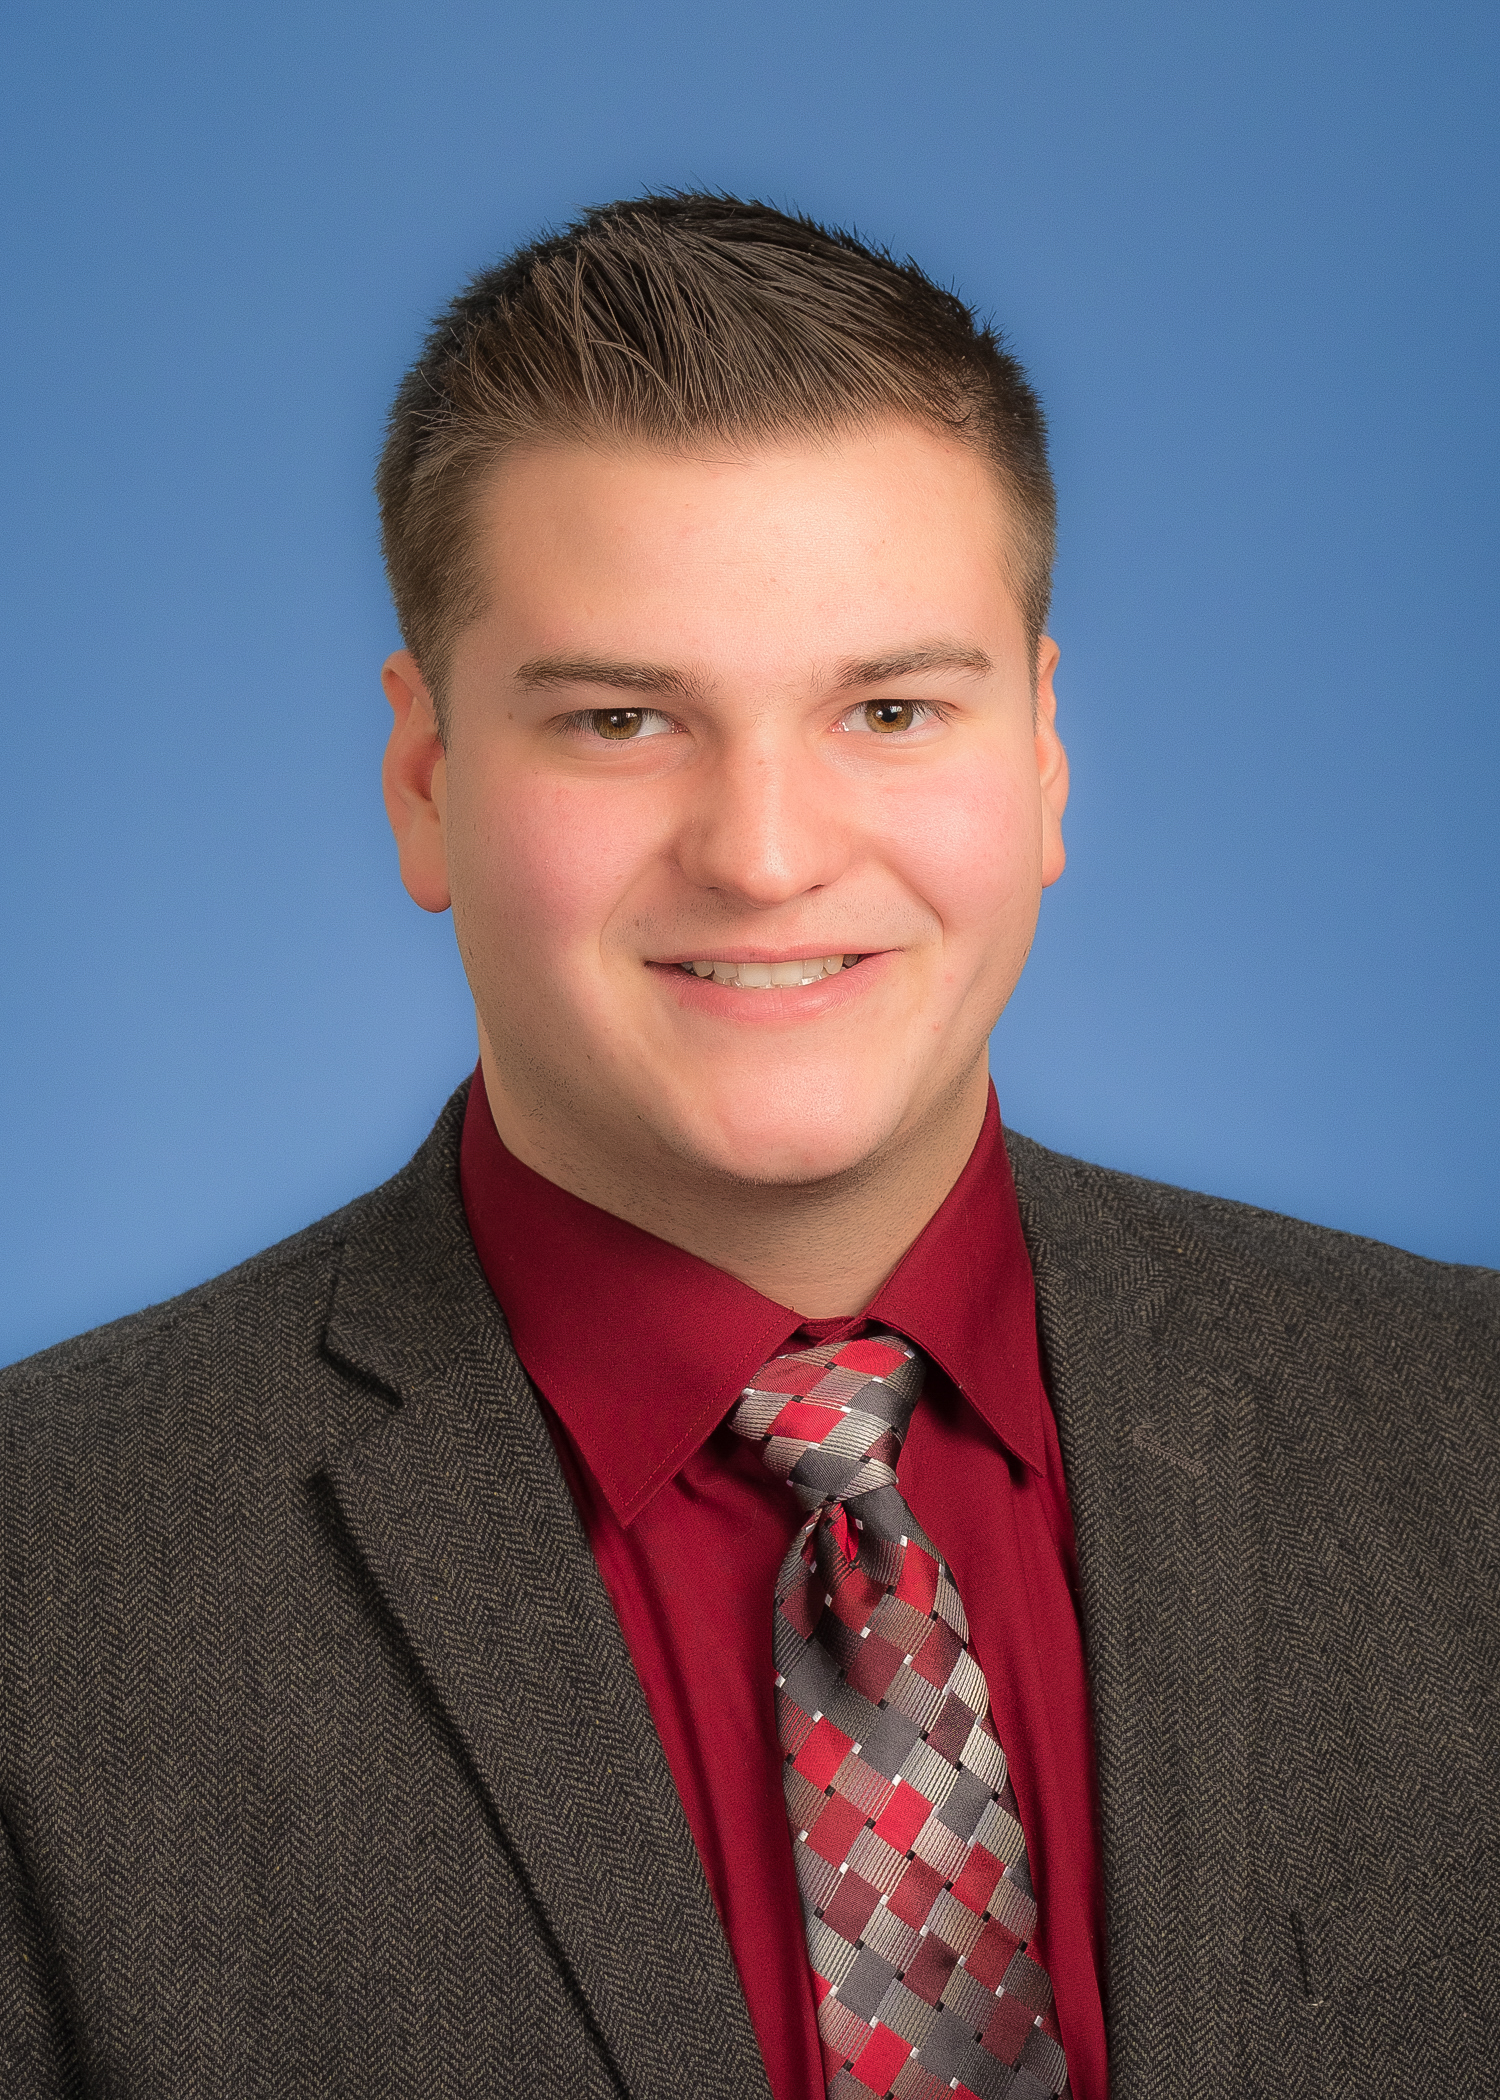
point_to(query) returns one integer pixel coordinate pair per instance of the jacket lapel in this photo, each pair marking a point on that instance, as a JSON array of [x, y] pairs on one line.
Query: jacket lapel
[[460, 1511], [1155, 1421]]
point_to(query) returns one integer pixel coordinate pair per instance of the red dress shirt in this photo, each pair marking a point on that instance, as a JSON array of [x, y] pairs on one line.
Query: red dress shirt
[[639, 1350]]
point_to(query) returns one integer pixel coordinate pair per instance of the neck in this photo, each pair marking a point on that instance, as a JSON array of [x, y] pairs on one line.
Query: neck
[[822, 1248]]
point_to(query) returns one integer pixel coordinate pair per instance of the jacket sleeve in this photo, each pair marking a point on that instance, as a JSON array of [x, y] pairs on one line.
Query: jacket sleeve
[[37, 2057]]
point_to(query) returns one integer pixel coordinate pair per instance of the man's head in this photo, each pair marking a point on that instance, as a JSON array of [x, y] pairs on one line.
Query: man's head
[[721, 546]]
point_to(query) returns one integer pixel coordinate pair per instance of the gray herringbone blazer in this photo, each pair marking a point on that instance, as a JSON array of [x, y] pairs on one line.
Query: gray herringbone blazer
[[324, 1770]]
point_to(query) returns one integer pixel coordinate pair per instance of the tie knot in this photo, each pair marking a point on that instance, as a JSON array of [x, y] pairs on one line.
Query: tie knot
[[830, 1419]]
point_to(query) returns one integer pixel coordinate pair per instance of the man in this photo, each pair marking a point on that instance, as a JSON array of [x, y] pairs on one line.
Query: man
[[728, 1576]]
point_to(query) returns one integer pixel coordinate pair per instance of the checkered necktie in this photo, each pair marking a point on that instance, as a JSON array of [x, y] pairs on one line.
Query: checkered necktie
[[909, 1852]]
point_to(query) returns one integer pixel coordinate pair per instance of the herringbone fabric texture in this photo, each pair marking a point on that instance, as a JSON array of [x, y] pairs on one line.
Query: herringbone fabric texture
[[910, 1857]]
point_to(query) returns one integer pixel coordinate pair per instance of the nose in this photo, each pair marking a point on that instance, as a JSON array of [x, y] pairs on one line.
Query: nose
[[761, 827]]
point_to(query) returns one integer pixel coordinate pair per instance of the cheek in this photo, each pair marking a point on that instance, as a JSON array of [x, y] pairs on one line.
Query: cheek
[[542, 865], [970, 847]]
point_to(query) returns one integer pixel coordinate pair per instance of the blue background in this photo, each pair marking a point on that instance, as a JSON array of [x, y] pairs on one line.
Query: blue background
[[1249, 255]]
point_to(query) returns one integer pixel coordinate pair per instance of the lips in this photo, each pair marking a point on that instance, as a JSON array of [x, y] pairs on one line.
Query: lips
[[770, 976]]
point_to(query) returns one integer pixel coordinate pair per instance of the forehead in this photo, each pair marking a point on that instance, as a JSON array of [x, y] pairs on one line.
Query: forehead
[[801, 543]]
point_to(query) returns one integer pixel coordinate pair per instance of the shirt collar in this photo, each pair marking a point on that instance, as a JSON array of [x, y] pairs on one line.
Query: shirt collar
[[964, 1293], [642, 1348]]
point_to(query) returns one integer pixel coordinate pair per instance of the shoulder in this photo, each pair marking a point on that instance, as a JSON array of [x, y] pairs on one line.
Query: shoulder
[[229, 1339], [1246, 1269], [161, 1492], [246, 1299]]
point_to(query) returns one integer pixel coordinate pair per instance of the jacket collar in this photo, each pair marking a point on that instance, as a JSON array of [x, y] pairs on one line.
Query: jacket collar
[[1155, 1414], [458, 1508]]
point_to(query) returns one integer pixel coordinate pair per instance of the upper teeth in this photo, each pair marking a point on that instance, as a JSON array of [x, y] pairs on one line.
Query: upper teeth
[[761, 976]]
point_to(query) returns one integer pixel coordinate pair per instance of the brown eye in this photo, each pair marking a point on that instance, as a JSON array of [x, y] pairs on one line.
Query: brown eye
[[888, 715], [620, 723]]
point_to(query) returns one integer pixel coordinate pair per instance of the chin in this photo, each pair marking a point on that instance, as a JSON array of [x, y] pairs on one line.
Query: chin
[[780, 1150]]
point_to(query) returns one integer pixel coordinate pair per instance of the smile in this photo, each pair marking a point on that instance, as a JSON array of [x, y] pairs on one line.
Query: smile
[[771, 976]]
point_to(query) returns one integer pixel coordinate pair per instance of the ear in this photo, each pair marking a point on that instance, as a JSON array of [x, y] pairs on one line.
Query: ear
[[414, 778], [1051, 763]]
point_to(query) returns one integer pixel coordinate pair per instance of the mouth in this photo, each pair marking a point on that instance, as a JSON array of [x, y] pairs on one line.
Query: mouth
[[770, 976]]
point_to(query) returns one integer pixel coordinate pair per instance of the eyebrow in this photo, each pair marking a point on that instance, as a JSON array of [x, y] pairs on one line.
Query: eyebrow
[[905, 663], [543, 672]]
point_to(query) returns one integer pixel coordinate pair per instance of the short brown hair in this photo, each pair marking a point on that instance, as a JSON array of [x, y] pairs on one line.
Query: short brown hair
[[664, 320]]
